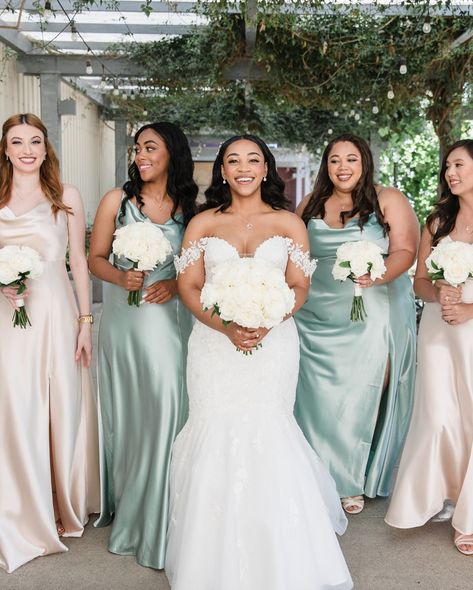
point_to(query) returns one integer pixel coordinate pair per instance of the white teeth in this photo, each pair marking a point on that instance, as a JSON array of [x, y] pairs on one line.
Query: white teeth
[[244, 179]]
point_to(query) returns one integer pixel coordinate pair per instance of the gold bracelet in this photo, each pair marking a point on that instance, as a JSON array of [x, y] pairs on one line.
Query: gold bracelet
[[86, 319]]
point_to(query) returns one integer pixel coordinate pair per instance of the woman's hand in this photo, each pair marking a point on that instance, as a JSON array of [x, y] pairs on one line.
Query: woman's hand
[[161, 291], [11, 293], [457, 314], [446, 294], [132, 280], [245, 339], [84, 345], [365, 281]]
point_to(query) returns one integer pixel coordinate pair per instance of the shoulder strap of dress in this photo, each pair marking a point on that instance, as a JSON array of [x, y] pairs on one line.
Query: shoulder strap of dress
[[189, 255], [301, 259]]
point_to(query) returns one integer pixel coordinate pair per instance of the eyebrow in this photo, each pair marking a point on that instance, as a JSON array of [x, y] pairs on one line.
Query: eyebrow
[[348, 155], [249, 154], [147, 141], [20, 138]]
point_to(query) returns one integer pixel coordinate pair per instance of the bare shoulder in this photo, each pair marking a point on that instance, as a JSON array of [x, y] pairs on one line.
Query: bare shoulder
[[391, 197], [201, 222], [290, 219], [71, 196]]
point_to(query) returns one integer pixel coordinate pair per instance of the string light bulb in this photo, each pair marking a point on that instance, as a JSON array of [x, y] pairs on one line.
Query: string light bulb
[[89, 70], [330, 131], [48, 10], [115, 90], [390, 93], [74, 33], [427, 27], [403, 67], [375, 109]]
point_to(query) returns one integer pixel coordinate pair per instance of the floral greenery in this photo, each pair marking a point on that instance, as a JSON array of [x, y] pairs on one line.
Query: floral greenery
[[313, 65], [325, 68]]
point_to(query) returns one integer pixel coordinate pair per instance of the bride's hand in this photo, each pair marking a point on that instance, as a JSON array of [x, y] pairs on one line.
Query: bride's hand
[[245, 339], [446, 294]]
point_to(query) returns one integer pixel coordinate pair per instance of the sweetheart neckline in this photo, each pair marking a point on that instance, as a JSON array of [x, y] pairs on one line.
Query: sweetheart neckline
[[235, 249]]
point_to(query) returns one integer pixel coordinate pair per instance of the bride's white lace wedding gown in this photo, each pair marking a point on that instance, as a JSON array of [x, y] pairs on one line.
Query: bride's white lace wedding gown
[[252, 506]]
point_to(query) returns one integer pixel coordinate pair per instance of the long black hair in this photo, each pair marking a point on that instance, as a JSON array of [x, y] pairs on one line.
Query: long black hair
[[364, 196], [180, 187], [272, 191], [443, 217]]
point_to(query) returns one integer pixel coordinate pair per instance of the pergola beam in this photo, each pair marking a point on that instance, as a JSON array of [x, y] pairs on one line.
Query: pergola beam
[[122, 6], [74, 65], [109, 28], [388, 8]]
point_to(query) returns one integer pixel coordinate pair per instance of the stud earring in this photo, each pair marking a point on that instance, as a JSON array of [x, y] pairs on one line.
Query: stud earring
[[224, 181], [264, 178]]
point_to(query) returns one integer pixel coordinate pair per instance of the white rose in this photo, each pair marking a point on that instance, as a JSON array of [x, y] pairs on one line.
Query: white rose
[[7, 273]]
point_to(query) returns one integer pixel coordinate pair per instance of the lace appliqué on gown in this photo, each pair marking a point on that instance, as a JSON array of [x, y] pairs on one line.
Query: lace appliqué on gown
[[300, 258], [190, 255]]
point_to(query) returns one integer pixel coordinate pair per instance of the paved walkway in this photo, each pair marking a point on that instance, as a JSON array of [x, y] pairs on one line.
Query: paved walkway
[[379, 558]]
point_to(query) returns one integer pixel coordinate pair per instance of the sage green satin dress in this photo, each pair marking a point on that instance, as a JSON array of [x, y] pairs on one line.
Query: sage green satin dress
[[143, 400], [356, 429]]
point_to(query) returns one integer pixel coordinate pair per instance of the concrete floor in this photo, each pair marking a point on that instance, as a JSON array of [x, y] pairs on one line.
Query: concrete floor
[[379, 558]]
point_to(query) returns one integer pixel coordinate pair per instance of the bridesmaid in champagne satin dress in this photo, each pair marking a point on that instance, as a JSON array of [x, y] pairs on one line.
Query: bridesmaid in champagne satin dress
[[354, 395], [142, 350], [48, 418], [437, 461]]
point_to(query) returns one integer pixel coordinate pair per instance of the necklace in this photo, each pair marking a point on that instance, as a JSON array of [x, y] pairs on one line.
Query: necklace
[[23, 197], [161, 203], [248, 225]]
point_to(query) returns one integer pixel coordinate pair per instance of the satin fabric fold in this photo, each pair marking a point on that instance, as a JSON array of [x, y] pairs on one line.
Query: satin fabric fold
[[141, 373], [48, 414], [437, 461], [357, 431]]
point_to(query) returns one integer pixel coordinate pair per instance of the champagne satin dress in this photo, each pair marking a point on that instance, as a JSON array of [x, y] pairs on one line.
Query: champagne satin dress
[[356, 429], [143, 399], [48, 420], [437, 461]]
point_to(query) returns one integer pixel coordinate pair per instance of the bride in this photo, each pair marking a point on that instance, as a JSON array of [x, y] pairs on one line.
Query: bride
[[252, 507]]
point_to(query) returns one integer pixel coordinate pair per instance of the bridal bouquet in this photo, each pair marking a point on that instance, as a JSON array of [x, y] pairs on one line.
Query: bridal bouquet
[[248, 291], [18, 263], [355, 259], [145, 245], [451, 261]]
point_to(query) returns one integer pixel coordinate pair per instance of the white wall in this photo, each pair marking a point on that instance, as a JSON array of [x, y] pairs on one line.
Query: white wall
[[88, 144]]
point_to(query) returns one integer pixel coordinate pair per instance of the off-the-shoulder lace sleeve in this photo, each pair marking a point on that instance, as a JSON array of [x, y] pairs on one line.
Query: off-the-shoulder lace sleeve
[[189, 255], [300, 258]]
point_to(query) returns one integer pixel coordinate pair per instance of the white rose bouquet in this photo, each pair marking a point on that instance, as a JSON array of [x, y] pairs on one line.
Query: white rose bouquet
[[249, 291], [355, 259], [451, 261], [145, 245], [18, 263]]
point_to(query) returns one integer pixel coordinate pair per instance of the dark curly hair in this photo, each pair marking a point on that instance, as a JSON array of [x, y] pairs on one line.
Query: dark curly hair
[[272, 191], [180, 183], [364, 196], [443, 217]]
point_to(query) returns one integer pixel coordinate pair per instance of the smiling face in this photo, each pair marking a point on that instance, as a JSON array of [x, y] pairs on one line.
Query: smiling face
[[25, 148], [344, 166], [459, 172], [152, 156], [244, 167]]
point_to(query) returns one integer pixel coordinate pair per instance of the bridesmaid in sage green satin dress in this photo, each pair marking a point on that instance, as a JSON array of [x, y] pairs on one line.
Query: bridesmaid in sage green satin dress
[[142, 350], [355, 388]]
